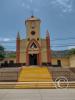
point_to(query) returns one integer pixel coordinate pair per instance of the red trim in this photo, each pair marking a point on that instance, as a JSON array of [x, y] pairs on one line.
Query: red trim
[[26, 58], [48, 50], [39, 58], [18, 51]]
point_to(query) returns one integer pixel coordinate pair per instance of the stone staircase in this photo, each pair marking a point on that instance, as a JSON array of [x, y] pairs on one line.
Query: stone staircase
[[65, 72], [34, 77], [9, 74]]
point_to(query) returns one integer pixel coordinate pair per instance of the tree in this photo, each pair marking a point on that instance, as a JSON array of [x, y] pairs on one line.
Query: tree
[[72, 51], [2, 52]]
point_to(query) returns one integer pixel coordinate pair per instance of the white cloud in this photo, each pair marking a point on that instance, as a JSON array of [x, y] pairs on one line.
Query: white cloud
[[6, 39], [64, 5], [26, 5], [70, 47]]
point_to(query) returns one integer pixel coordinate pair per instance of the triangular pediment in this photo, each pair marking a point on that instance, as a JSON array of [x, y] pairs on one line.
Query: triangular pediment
[[33, 45]]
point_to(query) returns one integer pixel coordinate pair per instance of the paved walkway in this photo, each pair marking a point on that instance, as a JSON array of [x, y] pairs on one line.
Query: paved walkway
[[37, 94]]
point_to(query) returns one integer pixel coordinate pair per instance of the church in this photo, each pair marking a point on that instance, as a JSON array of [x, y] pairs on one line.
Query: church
[[33, 50]]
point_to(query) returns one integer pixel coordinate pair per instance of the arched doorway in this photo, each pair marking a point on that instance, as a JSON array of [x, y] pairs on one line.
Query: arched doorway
[[33, 56], [33, 59]]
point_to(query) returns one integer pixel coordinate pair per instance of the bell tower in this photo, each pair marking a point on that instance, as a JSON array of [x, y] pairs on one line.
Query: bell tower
[[32, 28], [33, 50]]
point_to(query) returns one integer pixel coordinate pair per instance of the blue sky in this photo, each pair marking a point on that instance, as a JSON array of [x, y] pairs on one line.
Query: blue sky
[[58, 16]]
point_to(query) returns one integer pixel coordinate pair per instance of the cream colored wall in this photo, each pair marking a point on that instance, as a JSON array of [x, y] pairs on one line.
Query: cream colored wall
[[29, 29], [72, 61], [44, 51], [44, 56], [64, 61], [54, 61], [8, 59], [22, 58], [23, 51], [43, 43]]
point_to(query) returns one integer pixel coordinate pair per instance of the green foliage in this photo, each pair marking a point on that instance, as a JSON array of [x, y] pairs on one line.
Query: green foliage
[[11, 55], [72, 51], [2, 52], [1, 48]]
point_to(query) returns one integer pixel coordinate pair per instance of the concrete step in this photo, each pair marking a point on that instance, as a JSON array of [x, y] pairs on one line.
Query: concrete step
[[34, 74], [33, 85]]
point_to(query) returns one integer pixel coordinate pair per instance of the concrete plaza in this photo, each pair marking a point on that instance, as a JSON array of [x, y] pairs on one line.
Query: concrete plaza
[[37, 94]]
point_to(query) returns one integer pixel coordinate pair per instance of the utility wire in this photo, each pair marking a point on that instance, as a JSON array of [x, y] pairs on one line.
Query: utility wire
[[51, 46], [55, 39]]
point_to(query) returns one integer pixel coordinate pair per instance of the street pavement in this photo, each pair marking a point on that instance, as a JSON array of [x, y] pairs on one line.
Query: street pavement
[[37, 94]]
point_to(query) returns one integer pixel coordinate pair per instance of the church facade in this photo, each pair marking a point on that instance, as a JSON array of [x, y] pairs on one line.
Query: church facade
[[33, 50]]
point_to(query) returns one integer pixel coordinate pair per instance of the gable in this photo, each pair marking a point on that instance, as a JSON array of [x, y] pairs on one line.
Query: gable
[[33, 45]]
